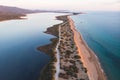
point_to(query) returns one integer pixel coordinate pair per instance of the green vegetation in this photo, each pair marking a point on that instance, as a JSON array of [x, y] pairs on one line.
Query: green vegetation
[[77, 57]]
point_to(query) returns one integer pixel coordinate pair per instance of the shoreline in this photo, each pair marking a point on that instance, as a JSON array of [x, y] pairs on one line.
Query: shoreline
[[90, 60], [12, 17]]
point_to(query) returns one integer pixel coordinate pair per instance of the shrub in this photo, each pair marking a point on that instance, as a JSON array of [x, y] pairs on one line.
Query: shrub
[[77, 57]]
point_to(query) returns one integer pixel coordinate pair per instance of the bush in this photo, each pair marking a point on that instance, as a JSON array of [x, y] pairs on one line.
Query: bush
[[77, 57]]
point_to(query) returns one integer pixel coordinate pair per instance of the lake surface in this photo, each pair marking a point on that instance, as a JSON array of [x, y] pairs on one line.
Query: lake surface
[[101, 31], [19, 59]]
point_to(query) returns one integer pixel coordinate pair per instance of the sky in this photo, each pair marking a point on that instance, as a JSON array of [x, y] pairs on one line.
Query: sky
[[78, 5]]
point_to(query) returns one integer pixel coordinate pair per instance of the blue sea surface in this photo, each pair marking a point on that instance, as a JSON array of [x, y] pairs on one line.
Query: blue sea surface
[[19, 58], [101, 31]]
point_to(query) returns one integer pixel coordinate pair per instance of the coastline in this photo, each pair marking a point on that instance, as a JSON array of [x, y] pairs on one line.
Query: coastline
[[12, 17], [88, 61], [88, 57]]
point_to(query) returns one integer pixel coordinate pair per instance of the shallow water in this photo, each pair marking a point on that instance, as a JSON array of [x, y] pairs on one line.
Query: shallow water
[[19, 59], [101, 31]]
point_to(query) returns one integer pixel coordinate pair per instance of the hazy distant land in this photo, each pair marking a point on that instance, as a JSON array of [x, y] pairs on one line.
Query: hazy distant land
[[8, 13]]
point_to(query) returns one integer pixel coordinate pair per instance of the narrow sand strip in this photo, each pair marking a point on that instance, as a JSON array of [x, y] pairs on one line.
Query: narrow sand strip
[[88, 57]]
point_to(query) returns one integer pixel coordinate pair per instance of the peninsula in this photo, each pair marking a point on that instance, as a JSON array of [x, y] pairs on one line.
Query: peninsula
[[71, 58]]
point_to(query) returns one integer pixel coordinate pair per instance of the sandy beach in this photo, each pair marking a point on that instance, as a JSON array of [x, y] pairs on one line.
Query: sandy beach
[[88, 57]]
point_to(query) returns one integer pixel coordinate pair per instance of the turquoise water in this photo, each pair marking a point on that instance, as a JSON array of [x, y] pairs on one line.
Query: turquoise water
[[19, 59], [101, 31]]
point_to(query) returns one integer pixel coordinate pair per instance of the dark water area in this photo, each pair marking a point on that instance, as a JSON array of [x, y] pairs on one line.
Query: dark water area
[[101, 31], [19, 58]]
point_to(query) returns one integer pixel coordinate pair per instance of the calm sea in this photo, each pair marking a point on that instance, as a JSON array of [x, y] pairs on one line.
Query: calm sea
[[101, 31], [19, 59]]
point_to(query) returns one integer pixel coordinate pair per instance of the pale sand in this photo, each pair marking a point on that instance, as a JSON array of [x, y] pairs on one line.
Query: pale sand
[[88, 57]]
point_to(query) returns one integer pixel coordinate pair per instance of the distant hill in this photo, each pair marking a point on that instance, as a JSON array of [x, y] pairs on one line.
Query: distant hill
[[7, 13]]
